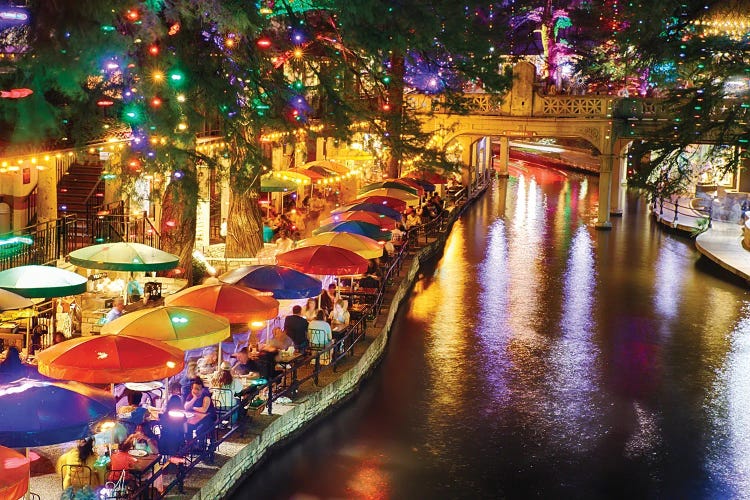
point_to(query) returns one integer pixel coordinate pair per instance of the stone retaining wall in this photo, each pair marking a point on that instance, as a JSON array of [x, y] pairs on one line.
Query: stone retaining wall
[[222, 484]]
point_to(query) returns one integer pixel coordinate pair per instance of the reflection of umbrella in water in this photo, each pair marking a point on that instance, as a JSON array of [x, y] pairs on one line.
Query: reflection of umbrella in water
[[370, 207], [323, 260], [182, 327], [356, 227], [361, 215], [39, 411], [124, 256], [110, 359], [238, 304], [42, 282], [283, 282], [14, 474]]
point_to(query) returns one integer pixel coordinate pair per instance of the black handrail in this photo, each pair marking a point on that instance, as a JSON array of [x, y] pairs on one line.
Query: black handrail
[[203, 446]]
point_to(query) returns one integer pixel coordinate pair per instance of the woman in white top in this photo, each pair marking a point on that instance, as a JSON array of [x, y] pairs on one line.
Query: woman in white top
[[311, 309], [340, 315]]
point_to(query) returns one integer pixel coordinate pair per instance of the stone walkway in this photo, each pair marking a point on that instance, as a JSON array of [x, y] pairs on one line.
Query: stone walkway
[[47, 484], [721, 243]]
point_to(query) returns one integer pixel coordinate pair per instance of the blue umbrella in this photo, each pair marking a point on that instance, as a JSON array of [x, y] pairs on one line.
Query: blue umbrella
[[39, 411], [370, 207], [356, 227], [283, 282]]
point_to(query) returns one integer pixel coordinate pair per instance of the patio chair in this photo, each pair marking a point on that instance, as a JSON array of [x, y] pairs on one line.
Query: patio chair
[[77, 475]]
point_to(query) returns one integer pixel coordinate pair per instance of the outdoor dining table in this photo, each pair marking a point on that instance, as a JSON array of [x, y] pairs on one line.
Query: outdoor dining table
[[144, 464]]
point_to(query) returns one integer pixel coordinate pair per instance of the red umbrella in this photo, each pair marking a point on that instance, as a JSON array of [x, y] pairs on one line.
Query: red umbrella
[[431, 177], [394, 203], [110, 359], [238, 304], [323, 260], [363, 216], [14, 474]]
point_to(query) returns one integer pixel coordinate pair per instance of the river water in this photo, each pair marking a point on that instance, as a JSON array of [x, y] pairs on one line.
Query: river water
[[540, 357]]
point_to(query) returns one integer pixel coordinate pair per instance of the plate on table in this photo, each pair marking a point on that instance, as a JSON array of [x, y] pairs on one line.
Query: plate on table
[[137, 453]]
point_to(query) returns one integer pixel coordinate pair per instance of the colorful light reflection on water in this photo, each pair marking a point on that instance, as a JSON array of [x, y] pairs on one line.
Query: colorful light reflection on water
[[545, 358]]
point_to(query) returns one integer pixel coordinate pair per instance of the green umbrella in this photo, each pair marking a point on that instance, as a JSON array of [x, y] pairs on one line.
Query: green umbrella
[[277, 185], [124, 256], [42, 282]]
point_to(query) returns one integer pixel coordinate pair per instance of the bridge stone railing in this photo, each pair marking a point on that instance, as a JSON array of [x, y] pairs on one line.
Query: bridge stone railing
[[561, 106]]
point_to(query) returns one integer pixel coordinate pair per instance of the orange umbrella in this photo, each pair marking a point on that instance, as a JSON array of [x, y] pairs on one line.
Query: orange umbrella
[[323, 260], [381, 220], [238, 304], [14, 474], [110, 359]]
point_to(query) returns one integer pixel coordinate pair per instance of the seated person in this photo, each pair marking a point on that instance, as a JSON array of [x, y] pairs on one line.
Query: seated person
[[295, 327], [280, 340], [244, 365], [340, 315], [311, 309], [228, 386], [175, 389], [82, 454], [186, 377], [319, 330], [173, 425], [200, 402], [121, 461], [208, 362], [133, 413], [140, 440]]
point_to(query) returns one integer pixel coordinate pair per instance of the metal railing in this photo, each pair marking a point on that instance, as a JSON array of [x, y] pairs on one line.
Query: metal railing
[[202, 446], [696, 209], [41, 243]]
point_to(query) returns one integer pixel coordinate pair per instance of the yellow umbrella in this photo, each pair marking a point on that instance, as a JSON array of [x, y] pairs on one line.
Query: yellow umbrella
[[409, 198], [182, 327], [334, 167], [298, 177], [361, 245]]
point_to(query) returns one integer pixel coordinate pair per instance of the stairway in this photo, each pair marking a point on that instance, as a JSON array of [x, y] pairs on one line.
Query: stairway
[[77, 183]]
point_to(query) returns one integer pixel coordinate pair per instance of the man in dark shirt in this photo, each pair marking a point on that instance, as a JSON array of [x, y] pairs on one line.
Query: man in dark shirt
[[295, 326]]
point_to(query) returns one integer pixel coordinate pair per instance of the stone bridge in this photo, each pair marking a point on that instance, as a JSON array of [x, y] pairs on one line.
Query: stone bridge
[[605, 122]]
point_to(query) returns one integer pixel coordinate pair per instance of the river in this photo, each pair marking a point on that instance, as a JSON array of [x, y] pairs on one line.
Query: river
[[540, 357]]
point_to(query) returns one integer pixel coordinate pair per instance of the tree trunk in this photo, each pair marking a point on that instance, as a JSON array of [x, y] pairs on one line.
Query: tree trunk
[[244, 224], [244, 218], [549, 44], [179, 218], [394, 117]]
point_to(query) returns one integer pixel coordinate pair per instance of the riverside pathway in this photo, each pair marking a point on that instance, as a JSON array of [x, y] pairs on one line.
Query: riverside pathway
[[721, 243], [47, 484]]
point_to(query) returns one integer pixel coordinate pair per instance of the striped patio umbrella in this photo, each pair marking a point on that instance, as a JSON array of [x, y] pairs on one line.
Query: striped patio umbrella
[[361, 215], [356, 227], [370, 207], [124, 256], [238, 304]]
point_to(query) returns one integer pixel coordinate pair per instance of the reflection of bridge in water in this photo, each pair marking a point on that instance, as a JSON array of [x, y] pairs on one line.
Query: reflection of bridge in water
[[600, 120]]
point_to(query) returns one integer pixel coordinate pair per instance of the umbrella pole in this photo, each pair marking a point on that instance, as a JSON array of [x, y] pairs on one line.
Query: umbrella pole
[[27, 496]]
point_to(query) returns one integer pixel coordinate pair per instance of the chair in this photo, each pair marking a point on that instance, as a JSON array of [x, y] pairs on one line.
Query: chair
[[223, 400], [318, 342], [77, 475]]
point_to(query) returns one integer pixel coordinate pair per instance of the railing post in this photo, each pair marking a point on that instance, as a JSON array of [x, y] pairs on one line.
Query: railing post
[[710, 213], [316, 369], [269, 401], [661, 206], [676, 207]]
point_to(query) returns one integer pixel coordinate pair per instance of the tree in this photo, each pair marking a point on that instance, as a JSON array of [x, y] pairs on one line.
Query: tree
[[430, 47], [692, 57]]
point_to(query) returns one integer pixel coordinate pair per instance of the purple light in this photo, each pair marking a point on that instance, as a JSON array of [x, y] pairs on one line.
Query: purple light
[[178, 174]]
